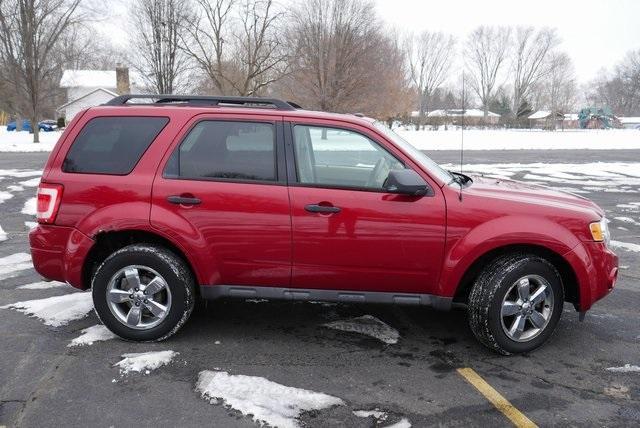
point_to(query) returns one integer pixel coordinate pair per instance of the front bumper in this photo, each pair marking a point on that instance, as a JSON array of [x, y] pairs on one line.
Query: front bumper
[[58, 253], [596, 268]]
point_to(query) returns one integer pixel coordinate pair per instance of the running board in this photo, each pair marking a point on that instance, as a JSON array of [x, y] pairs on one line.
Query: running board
[[212, 292]]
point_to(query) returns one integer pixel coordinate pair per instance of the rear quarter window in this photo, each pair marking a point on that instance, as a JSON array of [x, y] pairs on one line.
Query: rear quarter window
[[112, 145]]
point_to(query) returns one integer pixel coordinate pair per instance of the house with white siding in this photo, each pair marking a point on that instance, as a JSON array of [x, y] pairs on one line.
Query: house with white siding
[[88, 88]]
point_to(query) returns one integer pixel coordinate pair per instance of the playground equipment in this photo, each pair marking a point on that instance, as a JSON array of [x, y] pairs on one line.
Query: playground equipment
[[597, 118]]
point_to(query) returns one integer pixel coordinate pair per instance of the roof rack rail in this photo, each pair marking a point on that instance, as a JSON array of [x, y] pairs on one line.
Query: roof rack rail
[[204, 100]]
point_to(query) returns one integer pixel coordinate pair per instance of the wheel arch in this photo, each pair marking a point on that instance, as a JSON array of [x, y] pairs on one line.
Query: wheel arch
[[567, 273], [108, 242]]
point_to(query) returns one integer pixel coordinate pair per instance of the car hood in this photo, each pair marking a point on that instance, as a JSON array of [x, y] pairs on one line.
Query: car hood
[[529, 193]]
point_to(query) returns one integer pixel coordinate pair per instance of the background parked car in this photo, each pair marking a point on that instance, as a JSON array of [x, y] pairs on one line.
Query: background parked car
[[44, 125]]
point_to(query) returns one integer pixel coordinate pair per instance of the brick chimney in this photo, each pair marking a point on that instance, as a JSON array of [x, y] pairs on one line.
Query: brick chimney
[[122, 80]]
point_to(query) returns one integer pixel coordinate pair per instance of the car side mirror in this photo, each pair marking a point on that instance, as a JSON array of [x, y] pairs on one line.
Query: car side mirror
[[406, 182]]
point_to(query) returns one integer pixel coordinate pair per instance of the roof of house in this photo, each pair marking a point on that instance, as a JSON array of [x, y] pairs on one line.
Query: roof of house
[[470, 112], [544, 114], [106, 91], [95, 79]]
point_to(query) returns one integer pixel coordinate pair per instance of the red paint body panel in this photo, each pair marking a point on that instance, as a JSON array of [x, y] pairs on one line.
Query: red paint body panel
[[260, 234]]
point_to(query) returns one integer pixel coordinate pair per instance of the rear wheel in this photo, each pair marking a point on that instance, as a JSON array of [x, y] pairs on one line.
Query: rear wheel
[[515, 303], [143, 292]]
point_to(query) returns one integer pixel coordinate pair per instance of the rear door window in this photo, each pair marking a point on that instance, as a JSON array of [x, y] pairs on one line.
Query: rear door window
[[227, 150], [112, 145]]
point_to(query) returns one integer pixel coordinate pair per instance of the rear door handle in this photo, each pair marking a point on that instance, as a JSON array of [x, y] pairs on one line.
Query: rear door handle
[[183, 200], [315, 208]]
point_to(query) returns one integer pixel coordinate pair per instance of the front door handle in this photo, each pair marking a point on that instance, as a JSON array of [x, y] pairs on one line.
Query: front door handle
[[183, 200], [315, 208]]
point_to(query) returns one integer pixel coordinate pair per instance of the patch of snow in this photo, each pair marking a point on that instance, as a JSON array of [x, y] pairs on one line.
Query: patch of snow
[[95, 333], [3, 235], [403, 423], [12, 141], [31, 183], [30, 207], [627, 368], [267, 402], [14, 188], [376, 414], [514, 139], [14, 264], [42, 285], [217, 342], [369, 326], [627, 220], [56, 311], [18, 173], [31, 224], [626, 246], [144, 361], [5, 196]]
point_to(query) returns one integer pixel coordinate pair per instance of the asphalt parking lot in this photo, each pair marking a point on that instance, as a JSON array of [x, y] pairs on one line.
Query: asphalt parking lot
[[566, 383]]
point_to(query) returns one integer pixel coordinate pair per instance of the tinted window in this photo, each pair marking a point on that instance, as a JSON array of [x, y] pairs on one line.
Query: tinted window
[[112, 145], [342, 158], [225, 149]]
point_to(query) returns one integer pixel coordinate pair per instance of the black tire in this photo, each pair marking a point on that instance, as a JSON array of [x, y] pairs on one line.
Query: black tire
[[174, 271], [491, 287]]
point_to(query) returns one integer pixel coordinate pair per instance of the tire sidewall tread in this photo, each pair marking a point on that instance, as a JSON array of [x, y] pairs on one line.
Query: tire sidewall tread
[[175, 272]]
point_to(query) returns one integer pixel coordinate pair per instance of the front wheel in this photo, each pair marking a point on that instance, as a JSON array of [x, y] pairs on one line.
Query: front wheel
[[143, 292], [515, 303]]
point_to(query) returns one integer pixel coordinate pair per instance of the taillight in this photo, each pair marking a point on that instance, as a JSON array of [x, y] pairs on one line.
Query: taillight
[[49, 197]]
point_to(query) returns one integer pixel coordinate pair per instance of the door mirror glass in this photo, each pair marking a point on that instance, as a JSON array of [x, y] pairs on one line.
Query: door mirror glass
[[407, 182]]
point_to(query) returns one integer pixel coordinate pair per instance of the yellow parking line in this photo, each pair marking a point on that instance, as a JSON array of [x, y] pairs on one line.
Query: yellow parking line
[[501, 403]]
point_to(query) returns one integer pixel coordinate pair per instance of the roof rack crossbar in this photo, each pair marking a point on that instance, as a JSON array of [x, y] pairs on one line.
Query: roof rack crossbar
[[203, 99]]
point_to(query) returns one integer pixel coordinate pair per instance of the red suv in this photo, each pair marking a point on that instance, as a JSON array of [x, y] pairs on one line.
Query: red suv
[[154, 200]]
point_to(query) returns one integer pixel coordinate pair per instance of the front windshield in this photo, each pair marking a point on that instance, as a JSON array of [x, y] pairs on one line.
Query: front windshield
[[425, 161]]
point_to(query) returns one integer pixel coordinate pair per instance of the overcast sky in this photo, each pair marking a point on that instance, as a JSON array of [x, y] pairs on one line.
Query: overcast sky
[[595, 33]]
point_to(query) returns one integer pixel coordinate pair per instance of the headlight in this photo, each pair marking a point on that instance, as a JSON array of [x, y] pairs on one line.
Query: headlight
[[600, 231]]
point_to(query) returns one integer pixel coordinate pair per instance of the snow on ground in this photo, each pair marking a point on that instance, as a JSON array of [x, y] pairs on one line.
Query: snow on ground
[[369, 326], [14, 264], [95, 333], [30, 224], [3, 235], [42, 285], [627, 368], [12, 141], [56, 311], [30, 207], [379, 415], [403, 423], [31, 183], [4, 196], [266, 401], [13, 188], [144, 361], [626, 246], [511, 139], [593, 176], [19, 173]]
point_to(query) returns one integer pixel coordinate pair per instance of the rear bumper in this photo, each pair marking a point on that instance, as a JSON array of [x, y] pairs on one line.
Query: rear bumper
[[59, 252], [596, 268]]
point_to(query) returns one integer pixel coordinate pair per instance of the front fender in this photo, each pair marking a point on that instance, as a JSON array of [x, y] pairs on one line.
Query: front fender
[[504, 231]]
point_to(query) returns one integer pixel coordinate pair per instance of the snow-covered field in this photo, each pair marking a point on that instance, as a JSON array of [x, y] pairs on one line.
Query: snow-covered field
[[590, 139], [23, 141], [426, 140]]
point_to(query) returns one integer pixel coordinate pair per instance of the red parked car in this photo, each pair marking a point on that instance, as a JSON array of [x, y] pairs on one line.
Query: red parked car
[[153, 204]]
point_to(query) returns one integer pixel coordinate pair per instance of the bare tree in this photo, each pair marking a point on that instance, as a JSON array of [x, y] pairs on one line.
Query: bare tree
[[561, 84], [29, 33], [531, 49], [344, 61], [430, 56], [619, 89], [486, 53], [237, 44], [158, 30]]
